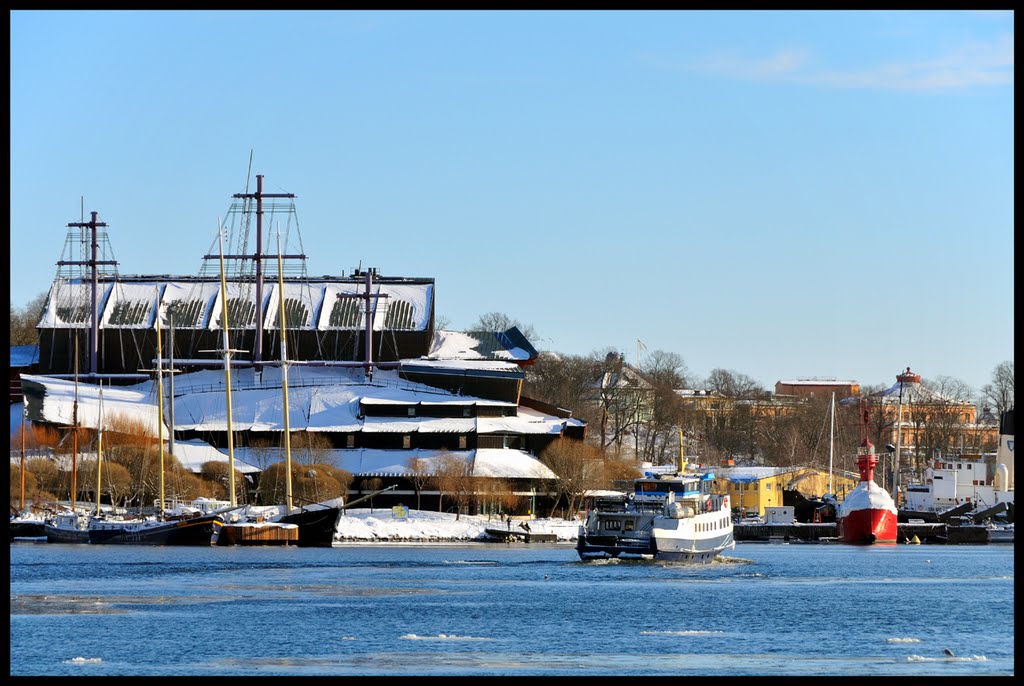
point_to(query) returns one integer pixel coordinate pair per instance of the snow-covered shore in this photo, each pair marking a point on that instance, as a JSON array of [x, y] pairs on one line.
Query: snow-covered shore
[[378, 524]]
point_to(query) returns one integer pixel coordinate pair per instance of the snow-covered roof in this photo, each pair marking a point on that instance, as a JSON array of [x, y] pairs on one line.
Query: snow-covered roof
[[914, 392], [194, 453], [319, 399], [487, 462], [749, 474], [817, 382], [463, 366], [129, 303], [508, 345]]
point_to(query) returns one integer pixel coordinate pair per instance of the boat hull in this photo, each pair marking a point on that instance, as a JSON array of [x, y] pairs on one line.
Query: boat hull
[[27, 529], [665, 539], [316, 527], [699, 549], [57, 534], [591, 547], [197, 531], [869, 527]]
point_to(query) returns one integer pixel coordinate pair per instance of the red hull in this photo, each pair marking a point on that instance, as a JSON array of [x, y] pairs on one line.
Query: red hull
[[867, 527]]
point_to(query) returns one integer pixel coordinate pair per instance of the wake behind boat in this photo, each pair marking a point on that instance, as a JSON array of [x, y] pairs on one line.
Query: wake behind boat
[[668, 518]]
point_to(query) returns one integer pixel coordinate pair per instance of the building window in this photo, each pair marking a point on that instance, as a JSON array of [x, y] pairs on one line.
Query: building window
[[407, 441], [350, 441], [412, 411], [462, 442]]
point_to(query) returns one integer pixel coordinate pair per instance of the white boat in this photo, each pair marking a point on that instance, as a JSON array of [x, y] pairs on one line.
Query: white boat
[[673, 518], [953, 482]]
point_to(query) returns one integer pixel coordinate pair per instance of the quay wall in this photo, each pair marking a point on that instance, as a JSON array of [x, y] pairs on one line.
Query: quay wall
[[827, 532]]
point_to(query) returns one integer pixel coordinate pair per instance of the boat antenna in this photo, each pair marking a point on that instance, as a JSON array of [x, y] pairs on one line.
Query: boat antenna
[[831, 439], [99, 455], [74, 434], [227, 367], [24, 412], [160, 402], [284, 374]]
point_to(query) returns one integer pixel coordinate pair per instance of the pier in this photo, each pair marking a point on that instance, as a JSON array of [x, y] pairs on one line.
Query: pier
[[510, 535], [827, 532]]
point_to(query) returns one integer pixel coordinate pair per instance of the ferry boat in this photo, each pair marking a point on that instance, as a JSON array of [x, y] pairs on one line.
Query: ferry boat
[[674, 518]]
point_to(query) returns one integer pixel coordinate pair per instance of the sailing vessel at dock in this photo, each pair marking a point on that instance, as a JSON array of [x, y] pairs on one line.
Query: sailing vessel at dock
[[252, 527], [72, 526], [375, 385], [184, 527]]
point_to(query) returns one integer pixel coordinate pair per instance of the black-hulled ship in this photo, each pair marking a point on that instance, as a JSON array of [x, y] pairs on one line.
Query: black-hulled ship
[[67, 527], [197, 530], [317, 524], [27, 526]]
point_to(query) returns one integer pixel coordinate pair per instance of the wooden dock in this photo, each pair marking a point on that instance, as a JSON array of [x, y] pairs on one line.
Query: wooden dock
[[510, 535], [258, 533]]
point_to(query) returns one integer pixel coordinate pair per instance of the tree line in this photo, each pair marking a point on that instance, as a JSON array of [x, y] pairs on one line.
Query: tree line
[[643, 412]]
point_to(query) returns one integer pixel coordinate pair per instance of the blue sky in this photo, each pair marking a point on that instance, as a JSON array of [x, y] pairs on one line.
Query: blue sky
[[783, 194]]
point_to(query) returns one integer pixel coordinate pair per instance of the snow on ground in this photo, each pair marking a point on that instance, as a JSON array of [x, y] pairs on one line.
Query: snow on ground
[[379, 524]]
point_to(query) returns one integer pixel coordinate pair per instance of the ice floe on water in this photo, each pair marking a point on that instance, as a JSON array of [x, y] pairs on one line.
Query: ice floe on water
[[443, 637], [691, 632], [902, 640], [83, 661]]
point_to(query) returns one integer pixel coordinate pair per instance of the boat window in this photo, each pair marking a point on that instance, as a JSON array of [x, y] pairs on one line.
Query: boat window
[[629, 526], [613, 525]]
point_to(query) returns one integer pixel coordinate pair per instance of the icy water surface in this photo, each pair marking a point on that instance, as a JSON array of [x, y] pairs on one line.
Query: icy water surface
[[509, 610]]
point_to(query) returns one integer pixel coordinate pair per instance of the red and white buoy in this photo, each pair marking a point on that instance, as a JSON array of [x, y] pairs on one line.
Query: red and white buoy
[[868, 514]]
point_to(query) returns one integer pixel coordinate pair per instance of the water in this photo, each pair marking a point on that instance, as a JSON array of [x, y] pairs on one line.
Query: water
[[509, 610]]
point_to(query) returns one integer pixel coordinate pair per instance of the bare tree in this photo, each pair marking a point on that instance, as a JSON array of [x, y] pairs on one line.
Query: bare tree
[[24, 320], [1000, 391], [733, 384], [499, 321], [946, 420], [372, 485], [454, 476], [420, 475], [579, 468], [310, 447]]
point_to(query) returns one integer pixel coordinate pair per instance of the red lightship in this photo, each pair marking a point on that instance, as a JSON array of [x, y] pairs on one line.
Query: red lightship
[[867, 515]]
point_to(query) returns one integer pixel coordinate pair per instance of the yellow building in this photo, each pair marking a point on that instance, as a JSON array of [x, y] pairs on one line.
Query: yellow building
[[752, 489]]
